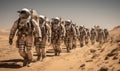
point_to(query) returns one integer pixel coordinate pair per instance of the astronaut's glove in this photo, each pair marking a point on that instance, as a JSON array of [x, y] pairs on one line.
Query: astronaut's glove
[[10, 41]]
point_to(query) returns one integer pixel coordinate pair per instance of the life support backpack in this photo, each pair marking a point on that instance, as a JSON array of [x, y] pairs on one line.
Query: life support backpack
[[43, 28], [69, 29]]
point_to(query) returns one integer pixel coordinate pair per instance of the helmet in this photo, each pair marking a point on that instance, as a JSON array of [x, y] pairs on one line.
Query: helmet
[[25, 11], [56, 19], [83, 26], [68, 22], [80, 26], [41, 16], [74, 24]]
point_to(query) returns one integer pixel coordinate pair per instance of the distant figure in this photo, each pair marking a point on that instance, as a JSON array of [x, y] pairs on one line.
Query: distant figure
[[77, 32], [106, 33], [82, 35], [97, 27], [46, 32], [74, 41], [93, 36], [70, 34], [58, 32], [101, 35], [25, 26], [87, 36]]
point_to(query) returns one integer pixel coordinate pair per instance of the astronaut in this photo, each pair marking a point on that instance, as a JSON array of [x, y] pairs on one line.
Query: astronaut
[[70, 35], [46, 32], [58, 32], [82, 35], [25, 26], [92, 35]]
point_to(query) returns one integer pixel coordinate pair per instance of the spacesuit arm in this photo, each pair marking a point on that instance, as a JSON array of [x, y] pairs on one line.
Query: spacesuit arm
[[63, 29], [37, 28], [13, 30], [78, 33], [49, 30], [74, 31]]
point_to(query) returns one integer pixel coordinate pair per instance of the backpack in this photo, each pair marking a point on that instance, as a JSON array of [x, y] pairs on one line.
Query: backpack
[[69, 29], [43, 28]]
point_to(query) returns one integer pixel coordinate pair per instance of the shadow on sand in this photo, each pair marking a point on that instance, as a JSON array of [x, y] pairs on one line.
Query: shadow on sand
[[12, 63], [49, 53]]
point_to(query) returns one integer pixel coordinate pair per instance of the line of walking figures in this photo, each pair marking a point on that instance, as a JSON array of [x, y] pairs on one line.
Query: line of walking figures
[[38, 29]]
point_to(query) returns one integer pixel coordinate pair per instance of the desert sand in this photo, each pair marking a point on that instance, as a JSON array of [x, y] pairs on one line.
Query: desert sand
[[88, 58]]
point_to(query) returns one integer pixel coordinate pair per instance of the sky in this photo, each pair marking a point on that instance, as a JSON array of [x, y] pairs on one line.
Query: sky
[[105, 13]]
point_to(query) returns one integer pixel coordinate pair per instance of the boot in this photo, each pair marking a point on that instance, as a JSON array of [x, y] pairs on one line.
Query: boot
[[25, 62], [68, 50], [43, 53], [38, 57], [43, 56], [55, 52], [29, 63], [81, 45], [58, 52]]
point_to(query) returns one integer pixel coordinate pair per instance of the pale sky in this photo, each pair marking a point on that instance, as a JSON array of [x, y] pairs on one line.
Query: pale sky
[[105, 13]]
